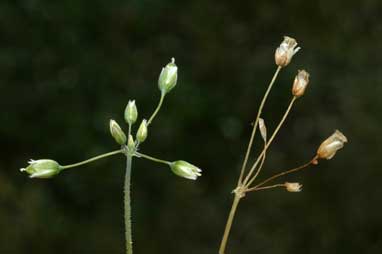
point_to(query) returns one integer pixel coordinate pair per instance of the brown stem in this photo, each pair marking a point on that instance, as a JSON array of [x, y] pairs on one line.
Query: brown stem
[[284, 173], [265, 187], [246, 180], [255, 124], [228, 226]]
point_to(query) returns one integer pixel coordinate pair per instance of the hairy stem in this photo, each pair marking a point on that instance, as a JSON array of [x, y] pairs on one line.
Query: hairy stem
[[228, 226], [92, 159], [255, 124], [157, 109], [270, 141], [127, 203]]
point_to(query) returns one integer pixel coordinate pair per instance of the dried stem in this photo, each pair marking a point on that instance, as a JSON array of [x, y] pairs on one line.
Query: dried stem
[[266, 187], [255, 124], [246, 180], [261, 164], [228, 225], [283, 173]]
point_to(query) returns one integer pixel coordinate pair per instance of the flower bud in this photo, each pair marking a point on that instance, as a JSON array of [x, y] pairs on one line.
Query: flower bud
[[293, 187], [185, 169], [42, 168], [168, 77], [286, 51], [117, 132], [131, 143], [300, 83], [131, 113], [331, 145], [142, 131]]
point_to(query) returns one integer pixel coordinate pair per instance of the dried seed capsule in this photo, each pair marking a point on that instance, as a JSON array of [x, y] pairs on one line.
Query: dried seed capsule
[[300, 83], [331, 145], [286, 51], [293, 187]]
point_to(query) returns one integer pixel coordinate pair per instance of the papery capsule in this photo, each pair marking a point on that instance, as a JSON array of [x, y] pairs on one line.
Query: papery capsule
[[293, 187], [43, 168], [286, 51], [263, 129], [300, 83], [168, 77], [185, 169], [331, 145]]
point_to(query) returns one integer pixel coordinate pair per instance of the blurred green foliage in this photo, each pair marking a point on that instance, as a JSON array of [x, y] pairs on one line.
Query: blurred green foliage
[[67, 67]]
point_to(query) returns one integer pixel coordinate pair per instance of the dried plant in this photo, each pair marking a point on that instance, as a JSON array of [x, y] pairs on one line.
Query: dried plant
[[246, 182], [46, 168]]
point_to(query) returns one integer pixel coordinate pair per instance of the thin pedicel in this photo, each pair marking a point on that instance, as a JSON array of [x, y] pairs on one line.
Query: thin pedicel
[[283, 56]]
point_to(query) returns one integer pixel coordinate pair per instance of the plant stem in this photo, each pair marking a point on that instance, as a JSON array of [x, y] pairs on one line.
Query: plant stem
[[270, 141], [127, 203], [157, 109], [92, 159], [228, 226], [152, 158], [283, 173], [255, 124], [265, 187]]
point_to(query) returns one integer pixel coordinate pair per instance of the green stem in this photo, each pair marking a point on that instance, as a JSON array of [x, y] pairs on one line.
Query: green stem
[[92, 159], [157, 109], [255, 124], [127, 203], [151, 158], [228, 226]]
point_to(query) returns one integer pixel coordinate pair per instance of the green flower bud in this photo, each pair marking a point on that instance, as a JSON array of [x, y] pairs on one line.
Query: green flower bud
[[117, 132], [168, 77], [131, 143], [42, 168], [142, 131], [185, 169], [131, 113]]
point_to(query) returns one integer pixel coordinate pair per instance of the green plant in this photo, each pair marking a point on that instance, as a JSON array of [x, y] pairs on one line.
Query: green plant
[[46, 168], [327, 149]]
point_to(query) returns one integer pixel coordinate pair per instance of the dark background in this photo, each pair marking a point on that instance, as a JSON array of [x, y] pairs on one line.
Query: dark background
[[67, 67]]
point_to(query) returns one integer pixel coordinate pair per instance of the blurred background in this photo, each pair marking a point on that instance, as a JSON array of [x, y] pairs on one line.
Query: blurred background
[[67, 67]]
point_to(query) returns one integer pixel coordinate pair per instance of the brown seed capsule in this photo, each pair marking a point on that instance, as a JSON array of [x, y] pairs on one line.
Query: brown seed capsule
[[300, 83], [286, 51], [331, 145], [293, 187]]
